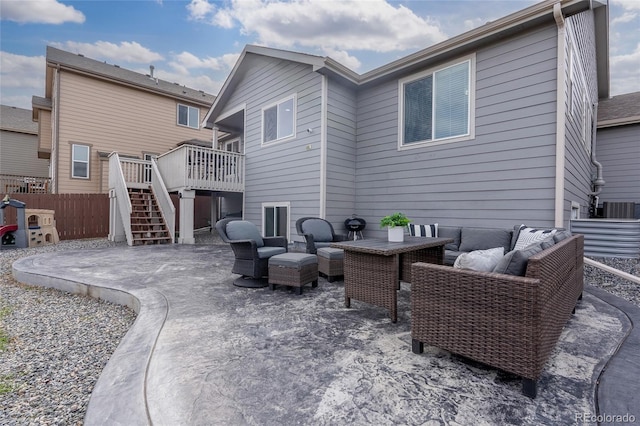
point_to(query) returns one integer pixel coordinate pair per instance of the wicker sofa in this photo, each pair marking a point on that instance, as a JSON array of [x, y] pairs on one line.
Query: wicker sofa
[[506, 321]]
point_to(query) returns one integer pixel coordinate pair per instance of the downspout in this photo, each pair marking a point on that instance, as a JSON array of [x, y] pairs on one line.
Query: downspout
[[560, 117], [323, 147], [598, 182], [57, 138]]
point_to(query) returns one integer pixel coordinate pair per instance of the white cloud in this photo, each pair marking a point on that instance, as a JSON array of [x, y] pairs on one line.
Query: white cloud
[[131, 52], [373, 25], [624, 18], [624, 72], [199, 9], [627, 4], [21, 71], [40, 12], [21, 77], [344, 58]]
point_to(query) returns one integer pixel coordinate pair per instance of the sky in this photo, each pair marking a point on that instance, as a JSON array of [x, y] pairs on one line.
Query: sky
[[196, 43]]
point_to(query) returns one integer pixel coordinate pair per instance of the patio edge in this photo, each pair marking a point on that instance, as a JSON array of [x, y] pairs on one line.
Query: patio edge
[[119, 395]]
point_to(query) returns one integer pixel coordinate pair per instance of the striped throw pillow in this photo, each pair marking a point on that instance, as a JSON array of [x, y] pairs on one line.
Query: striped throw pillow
[[423, 230], [529, 236]]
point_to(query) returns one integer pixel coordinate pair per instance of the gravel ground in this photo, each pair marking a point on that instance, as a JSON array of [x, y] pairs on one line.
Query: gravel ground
[[56, 344], [622, 288]]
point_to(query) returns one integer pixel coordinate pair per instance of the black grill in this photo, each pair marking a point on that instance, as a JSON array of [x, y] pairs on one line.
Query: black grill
[[355, 224]]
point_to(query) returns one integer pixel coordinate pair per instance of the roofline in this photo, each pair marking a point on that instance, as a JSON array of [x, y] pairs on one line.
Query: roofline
[[53, 64], [534, 12], [16, 130], [619, 122], [539, 11], [318, 63]]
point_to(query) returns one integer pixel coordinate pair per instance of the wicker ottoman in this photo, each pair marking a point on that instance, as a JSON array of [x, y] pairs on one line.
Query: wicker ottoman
[[331, 262], [293, 270]]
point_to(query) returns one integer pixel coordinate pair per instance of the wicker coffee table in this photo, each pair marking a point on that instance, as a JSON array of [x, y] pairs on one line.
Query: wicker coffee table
[[373, 268]]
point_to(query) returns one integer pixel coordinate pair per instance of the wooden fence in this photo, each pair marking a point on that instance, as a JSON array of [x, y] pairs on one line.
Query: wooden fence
[[77, 216], [80, 216]]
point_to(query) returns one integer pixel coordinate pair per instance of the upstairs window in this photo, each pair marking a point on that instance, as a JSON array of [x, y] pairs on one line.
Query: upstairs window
[[436, 105], [80, 161], [188, 116], [278, 121]]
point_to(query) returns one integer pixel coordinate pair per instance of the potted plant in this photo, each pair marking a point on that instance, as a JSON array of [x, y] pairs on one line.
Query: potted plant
[[395, 224]]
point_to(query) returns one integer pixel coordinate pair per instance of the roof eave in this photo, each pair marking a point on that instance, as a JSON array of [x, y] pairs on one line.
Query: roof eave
[[619, 122], [540, 12]]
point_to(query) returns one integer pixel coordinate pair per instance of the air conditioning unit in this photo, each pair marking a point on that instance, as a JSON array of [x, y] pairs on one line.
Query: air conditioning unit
[[619, 210]]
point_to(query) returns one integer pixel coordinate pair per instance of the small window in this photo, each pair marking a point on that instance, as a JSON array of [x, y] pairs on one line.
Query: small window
[[188, 116], [275, 220], [575, 210], [147, 167], [436, 105], [80, 161], [278, 121]]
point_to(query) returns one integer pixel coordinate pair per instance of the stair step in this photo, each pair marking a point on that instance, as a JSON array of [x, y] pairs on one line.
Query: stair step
[[147, 224]]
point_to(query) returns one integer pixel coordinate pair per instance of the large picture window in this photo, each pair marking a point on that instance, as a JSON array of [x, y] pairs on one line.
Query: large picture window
[[80, 161], [436, 104], [278, 121], [188, 116]]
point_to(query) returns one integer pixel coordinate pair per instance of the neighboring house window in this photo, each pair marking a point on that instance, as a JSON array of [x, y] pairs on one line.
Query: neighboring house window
[[275, 219], [80, 161], [188, 116], [278, 120], [436, 104]]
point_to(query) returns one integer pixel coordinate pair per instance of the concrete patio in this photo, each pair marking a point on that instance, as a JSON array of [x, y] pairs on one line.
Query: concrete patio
[[205, 352]]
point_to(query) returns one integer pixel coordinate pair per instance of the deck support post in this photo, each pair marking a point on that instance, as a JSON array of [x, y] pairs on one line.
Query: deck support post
[[187, 199]]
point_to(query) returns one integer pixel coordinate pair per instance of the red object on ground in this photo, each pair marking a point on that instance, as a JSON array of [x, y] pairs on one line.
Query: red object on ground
[[7, 228]]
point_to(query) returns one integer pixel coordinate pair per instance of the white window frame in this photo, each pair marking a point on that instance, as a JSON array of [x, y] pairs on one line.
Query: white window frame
[[575, 210], [280, 138], [195, 124], [266, 205], [147, 156], [471, 59], [74, 160]]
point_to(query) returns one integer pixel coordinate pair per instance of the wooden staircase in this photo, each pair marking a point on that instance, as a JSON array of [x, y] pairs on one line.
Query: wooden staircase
[[147, 224]]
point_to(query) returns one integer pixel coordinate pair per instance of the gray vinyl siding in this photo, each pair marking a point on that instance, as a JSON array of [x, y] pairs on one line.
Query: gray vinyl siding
[[618, 150], [341, 154], [286, 171], [19, 155], [578, 168], [504, 176]]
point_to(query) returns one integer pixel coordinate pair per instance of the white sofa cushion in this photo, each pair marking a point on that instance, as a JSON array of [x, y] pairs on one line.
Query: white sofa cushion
[[480, 260]]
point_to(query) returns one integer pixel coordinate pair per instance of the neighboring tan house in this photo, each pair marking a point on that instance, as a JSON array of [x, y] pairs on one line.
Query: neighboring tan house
[[618, 152], [93, 108], [490, 128], [20, 168]]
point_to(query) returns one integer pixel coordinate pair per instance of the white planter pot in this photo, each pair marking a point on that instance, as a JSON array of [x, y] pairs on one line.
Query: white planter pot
[[396, 234]]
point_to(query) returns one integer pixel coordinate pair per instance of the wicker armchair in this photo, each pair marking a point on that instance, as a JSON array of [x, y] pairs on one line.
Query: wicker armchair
[[317, 233], [251, 250], [506, 321]]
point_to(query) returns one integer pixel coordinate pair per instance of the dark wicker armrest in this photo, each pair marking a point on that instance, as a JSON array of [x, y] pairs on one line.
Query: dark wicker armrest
[[275, 241], [311, 245], [244, 249]]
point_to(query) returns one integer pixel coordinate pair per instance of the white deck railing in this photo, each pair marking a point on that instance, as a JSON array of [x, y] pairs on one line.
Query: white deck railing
[[165, 204], [195, 167], [118, 184], [137, 173]]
